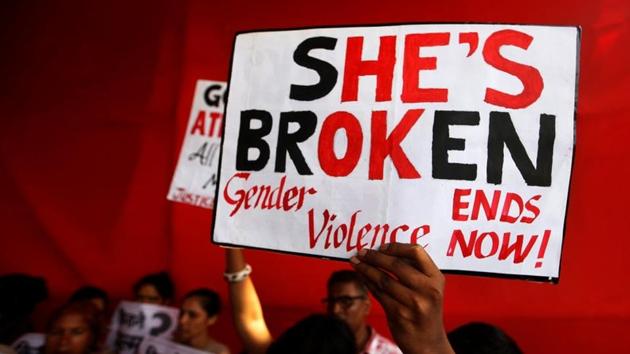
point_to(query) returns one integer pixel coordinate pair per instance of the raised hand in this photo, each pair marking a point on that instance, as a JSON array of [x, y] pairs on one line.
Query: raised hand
[[410, 287]]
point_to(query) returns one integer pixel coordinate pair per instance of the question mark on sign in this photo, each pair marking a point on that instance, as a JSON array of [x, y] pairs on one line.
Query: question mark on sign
[[165, 324]]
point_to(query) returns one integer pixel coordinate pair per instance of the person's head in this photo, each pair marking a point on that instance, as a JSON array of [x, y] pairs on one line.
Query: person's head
[[96, 296], [481, 338], [154, 288], [200, 310], [316, 334], [19, 295], [73, 329], [348, 298]]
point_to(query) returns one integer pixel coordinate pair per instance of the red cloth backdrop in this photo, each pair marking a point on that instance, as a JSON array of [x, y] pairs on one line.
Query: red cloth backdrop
[[94, 100]]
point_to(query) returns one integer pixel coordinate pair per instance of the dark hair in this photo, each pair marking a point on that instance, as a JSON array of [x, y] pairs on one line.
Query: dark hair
[[208, 299], [19, 294], [316, 334], [162, 283], [86, 293], [91, 315], [482, 338], [347, 276]]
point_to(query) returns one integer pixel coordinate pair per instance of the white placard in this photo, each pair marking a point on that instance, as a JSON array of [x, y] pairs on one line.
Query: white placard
[[153, 345], [195, 178], [457, 137], [30, 343], [133, 321]]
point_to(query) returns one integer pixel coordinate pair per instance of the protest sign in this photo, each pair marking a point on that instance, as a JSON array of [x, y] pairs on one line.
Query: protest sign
[[195, 178], [455, 137], [30, 343], [154, 345], [133, 321]]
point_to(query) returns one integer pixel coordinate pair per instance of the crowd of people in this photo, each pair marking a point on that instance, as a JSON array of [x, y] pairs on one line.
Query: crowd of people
[[402, 278]]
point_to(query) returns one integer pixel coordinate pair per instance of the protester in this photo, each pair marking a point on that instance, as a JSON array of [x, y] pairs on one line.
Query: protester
[[482, 338], [348, 300], [19, 295], [199, 311], [403, 279], [316, 334], [247, 312], [312, 335], [157, 288], [73, 329], [410, 287], [96, 296]]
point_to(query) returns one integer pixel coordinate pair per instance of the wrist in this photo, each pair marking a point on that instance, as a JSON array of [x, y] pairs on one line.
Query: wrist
[[238, 276]]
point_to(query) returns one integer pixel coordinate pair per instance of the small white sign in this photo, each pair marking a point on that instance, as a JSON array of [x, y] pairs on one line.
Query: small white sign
[[133, 321], [30, 343], [153, 345], [195, 178]]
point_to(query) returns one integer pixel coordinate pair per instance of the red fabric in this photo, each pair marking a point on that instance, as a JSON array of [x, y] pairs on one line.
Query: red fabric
[[94, 99]]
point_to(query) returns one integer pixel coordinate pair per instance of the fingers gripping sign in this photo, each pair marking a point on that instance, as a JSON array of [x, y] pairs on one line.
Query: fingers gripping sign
[[410, 287]]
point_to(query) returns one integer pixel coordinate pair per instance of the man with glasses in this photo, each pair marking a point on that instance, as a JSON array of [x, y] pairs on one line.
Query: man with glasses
[[348, 300]]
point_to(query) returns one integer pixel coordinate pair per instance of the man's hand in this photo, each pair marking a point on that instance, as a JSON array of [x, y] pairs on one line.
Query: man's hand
[[410, 287]]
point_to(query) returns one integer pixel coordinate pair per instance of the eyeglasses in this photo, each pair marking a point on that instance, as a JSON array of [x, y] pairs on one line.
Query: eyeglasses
[[345, 301]]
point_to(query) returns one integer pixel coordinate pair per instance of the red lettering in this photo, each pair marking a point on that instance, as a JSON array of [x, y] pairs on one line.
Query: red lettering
[[543, 248], [336, 234], [382, 146], [402, 228], [199, 127], [416, 235], [311, 227], [341, 229], [356, 67], [472, 38], [262, 196], [240, 194], [362, 232], [516, 248], [414, 63], [458, 204], [214, 118], [328, 161], [494, 238], [457, 238], [488, 243], [288, 196], [529, 206], [507, 207], [377, 228], [482, 201], [529, 76]]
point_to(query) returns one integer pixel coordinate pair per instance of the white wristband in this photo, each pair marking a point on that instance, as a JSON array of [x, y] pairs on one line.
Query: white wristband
[[238, 276]]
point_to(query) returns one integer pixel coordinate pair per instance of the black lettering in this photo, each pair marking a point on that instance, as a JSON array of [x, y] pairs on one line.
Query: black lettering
[[442, 143], [288, 143], [212, 100], [165, 324], [249, 138], [502, 133], [326, 71]]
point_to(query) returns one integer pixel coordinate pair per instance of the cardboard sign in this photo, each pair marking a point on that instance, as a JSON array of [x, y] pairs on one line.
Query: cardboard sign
[[30, 343], [195, 178], [133, 321], [458, 138], [153, 345]]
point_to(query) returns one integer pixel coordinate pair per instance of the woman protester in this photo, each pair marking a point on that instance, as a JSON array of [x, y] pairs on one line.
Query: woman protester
[[199, 311], [74, 329], [402, 277]]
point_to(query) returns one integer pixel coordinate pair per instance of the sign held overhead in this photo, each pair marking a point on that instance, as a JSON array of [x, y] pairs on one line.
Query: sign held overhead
[[458, 138]]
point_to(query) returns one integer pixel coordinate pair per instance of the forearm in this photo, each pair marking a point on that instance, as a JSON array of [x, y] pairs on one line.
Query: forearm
[[246, 308]]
